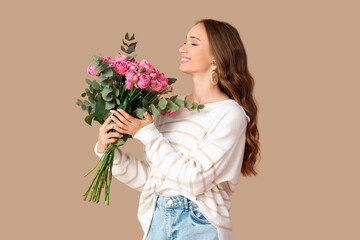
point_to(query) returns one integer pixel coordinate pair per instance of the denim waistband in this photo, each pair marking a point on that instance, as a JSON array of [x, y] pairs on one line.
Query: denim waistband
[[178, 201]]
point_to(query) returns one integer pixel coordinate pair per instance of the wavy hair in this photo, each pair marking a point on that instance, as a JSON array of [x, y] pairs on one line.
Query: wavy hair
[[235, 81]]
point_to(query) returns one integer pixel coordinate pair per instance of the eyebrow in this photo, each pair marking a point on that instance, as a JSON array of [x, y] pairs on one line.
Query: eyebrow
[[193, 38]]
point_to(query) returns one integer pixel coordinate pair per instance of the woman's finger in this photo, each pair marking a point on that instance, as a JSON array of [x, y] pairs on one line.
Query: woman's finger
[[110, 140], [114, 135], [118, 123], [121, 117], [106, 122], [125, 114], [112, 126]]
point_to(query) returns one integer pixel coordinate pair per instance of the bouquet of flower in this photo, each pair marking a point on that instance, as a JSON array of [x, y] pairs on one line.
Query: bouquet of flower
[[133, 86]]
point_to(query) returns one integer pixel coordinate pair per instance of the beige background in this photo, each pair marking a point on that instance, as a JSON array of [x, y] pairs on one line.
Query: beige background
[[304, 56]]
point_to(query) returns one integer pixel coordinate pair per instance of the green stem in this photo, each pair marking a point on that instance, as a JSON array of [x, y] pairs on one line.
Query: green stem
[[97, 173], [107, 192], [136, 95]]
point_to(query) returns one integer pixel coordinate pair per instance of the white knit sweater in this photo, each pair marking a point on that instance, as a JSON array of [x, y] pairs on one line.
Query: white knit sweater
[[194, 154]]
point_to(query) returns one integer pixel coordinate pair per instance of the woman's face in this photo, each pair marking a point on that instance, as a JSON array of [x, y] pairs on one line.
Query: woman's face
[[197, 50]]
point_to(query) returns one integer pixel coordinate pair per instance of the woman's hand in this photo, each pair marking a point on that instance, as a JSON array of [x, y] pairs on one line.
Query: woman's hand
[[106, 138], [126, 124]]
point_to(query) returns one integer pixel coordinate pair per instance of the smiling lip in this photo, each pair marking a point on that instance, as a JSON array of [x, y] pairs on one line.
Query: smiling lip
[[184, 58]]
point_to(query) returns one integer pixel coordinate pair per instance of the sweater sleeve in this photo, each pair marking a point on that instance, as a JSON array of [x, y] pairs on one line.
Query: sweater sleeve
[[217, 158], [128, 169]]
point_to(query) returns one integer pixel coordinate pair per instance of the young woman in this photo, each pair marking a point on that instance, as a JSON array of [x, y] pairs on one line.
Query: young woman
[[193, 160]]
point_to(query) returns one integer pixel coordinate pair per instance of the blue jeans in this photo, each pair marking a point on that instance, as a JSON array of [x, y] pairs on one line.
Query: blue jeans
[[177, 217]]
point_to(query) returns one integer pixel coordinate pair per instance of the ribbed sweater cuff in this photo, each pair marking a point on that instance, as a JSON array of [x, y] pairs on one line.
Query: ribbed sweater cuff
[[96, 152], [147, 133]]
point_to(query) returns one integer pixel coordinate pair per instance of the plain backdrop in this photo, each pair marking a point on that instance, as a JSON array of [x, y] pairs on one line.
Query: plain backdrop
[[303, 55]]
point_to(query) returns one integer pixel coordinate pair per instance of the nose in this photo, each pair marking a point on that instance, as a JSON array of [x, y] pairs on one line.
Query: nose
[[182, 49]]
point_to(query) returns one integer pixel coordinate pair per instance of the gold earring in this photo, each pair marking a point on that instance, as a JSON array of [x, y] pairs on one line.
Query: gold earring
[[214, 78]]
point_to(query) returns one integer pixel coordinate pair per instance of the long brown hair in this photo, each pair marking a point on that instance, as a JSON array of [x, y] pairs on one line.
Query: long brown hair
[[235, 81]]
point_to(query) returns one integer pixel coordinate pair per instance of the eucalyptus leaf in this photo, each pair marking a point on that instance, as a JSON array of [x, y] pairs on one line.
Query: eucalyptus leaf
[[88, 81], [172, 106], [79, 102], [162, 104], [179, 102], [102, 78], [92, 109], [86, 103], [83, 94], [116, 92], [87, 92], [171, 80], [127, 37], [119, 142], [99, 111], [95, 85], [108, 98], [131, 49], [133, 44], [187, 104], [88, 119], [195, 105], [96, 63], [102, 67], [131, 57], [107, 94], [154, 110], [123, 49], [173, 98], [108, 72], [107, 82], [139, 112], [145, 103], [109, 105], [97, 58], [125, 43], [117, 101]]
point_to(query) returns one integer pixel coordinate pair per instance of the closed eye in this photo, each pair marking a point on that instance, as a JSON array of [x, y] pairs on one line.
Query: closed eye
[[191, 44]]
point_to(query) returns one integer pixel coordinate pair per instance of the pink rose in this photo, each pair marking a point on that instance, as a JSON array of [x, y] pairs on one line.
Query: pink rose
[[154, 74], [112, 63], [105, 58], [133, 65], [144, 81], [159, 84], [164, 80], [131, 76], [145, 65], [121, 67], [120, 58], [91, 70]]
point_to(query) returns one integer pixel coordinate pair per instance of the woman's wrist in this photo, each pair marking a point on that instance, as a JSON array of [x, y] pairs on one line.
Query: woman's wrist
[[100, 149]]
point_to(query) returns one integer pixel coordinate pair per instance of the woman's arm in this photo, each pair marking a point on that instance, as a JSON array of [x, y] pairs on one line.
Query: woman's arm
[[128, 169], [217, 158]]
